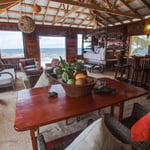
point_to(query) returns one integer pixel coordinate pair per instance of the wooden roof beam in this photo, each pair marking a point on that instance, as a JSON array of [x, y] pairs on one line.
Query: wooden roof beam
[[146, 3], [100, 16], [66, 15], [96, 7], [3, 8], [46, 11], [78, 16], [131, 9], [4, 2]]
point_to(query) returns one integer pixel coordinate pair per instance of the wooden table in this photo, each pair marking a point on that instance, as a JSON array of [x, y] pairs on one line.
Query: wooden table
[[35, 109]]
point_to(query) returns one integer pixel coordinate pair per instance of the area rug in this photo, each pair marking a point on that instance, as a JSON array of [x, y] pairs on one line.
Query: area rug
[[10, 139]]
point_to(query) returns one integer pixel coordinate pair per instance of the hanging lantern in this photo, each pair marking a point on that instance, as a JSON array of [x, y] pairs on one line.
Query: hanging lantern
[[37, 8], [26, 24], [147, 28]]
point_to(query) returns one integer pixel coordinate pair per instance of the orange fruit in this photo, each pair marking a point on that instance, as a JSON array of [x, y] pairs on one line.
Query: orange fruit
[[80, 81], [80, 75]]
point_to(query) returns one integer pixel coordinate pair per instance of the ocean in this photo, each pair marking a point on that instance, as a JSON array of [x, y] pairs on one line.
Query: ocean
[[46, 54]]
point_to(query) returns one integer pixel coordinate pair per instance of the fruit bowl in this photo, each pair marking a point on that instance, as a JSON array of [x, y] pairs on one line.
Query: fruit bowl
[[78, 90]]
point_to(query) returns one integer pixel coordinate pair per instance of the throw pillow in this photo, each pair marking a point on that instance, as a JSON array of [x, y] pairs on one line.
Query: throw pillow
[[97, 137], [23, 63], [140, 131], [40, 68]]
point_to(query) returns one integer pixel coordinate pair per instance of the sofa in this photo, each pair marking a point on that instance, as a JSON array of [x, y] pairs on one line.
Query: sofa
[[26, 64], [30, 71]]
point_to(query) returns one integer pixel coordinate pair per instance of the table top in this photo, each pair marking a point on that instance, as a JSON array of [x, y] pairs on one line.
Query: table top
[[34, 108]]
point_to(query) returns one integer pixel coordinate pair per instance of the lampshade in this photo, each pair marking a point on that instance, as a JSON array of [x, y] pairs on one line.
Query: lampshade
[[147, 27]]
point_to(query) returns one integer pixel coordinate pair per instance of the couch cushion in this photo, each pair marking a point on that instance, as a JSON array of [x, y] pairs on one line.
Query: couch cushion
[[30, 61], [29, 67], [97, 137]]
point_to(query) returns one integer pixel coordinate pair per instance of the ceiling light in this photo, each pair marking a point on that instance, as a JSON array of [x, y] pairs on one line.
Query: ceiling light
[[37, 8], [147, 28]]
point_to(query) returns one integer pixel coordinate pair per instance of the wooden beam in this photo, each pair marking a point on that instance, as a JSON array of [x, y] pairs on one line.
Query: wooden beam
[[57, 13], [96, 7], [46, 11], [100, 16], [41, 22], [78, 16], [131, 9], [4, 2], [7, 6], [146, 3], [67, 14]]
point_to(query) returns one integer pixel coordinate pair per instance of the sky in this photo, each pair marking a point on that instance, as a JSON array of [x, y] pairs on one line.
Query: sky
[[10, 40]]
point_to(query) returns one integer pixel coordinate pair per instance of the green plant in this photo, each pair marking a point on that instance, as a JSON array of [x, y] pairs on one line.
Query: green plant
[[67, 70]]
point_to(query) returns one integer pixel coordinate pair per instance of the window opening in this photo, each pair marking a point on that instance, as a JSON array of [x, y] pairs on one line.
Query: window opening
[[11, 44], [51, 47]]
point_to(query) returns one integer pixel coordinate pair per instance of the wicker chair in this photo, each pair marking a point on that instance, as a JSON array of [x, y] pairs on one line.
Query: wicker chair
[[121, 129], [117, 128]]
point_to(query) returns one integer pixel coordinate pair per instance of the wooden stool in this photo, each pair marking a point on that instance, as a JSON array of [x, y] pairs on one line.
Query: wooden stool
[[136, 69], [122, 69]]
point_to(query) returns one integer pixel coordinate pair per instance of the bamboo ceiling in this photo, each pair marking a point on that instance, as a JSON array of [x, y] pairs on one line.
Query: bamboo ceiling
[[76, 13]]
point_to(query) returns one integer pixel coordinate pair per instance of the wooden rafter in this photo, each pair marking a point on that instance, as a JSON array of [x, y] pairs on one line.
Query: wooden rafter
[[4, 2], [66, 8], [7, 6], [20, 12], [41, 15], [118, 20], [131, 9], [77, 16], [96, 7], [146, 3], [57, 13], [111, 5], [46, 11], [66, 15], [33, 15]]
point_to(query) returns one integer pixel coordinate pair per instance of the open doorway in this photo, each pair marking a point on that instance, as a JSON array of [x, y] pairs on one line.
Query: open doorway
[[51, 47]]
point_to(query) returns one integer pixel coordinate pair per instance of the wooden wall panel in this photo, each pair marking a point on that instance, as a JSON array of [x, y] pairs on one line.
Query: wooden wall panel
[[31, 46], [71, 48]]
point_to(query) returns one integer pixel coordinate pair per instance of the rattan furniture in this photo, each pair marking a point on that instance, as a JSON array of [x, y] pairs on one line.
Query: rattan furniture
[[121, 129]]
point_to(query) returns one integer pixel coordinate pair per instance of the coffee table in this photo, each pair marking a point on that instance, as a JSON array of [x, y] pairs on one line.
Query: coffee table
[[34, 109]]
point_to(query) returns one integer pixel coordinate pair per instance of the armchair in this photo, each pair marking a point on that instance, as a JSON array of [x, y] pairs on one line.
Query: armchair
[[7, 75], [122, 129], [4, 66], [50, 66]]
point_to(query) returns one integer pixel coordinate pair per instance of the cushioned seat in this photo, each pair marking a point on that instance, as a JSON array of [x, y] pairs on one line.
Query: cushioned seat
[[26, 64], [7, 78]]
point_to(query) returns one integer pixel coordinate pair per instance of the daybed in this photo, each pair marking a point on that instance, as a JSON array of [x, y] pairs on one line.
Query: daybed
[[95, 60]]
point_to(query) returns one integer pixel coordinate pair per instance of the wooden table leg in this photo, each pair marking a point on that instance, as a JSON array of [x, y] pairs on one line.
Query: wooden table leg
[[121, 107], [112, 110], [33, 138]]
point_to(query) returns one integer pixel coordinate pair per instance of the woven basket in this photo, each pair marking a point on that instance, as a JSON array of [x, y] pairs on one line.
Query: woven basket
[[78, 90]]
